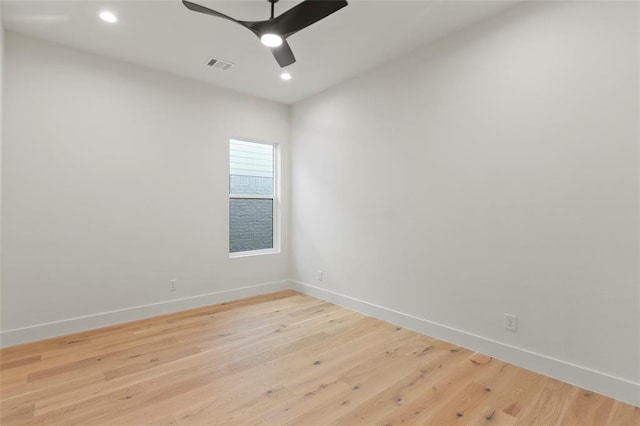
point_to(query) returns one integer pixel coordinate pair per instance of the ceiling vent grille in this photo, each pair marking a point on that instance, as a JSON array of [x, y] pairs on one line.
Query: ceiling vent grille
[[220, 64]]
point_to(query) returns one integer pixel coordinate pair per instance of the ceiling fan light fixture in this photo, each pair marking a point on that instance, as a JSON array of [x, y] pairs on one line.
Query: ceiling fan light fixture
[[271, 40], [107, 16]]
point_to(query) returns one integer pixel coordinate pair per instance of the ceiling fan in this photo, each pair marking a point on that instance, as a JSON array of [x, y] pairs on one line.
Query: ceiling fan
[[274, 31]]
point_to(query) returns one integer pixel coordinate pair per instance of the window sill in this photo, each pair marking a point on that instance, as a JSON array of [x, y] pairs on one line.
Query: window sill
[[253, 253]]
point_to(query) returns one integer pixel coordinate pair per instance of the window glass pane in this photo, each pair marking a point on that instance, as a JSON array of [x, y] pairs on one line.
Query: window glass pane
[[251, 225], [251, 168]]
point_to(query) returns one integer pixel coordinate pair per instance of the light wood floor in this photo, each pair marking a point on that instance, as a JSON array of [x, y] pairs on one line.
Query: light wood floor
[[283, 358]]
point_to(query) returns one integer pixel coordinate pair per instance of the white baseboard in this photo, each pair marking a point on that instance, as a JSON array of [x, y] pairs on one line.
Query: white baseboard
[[615, 387], [73, 325], [596, 381]]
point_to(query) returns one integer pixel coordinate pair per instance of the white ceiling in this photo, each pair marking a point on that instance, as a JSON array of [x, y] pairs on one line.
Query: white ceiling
[[163, 34]]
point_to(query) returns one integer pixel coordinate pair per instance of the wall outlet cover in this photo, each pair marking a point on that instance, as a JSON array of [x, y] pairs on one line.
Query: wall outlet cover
[[510, 322]]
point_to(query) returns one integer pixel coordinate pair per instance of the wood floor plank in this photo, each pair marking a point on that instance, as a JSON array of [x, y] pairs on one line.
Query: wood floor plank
[[624, 415], [549, 406], [584, 406], [20, 362], [281, 358]]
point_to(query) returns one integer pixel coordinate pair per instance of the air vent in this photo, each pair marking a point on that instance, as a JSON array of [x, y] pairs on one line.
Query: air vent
[[221, 64]]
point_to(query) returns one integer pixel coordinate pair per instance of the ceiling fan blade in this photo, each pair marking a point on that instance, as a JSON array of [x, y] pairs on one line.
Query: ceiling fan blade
[[283, 54], [304, 14], [201, 9]]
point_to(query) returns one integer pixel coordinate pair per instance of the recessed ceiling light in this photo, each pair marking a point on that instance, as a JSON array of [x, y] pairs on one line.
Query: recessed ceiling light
[[285, 76], [107, 16], [271, 40]]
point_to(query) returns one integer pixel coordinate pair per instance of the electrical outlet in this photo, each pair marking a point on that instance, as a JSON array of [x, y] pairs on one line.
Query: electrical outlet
[[320, 276], [511, 322], [172, 285]]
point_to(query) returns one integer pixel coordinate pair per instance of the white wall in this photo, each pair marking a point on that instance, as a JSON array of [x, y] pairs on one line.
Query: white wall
[[492, 172], [1, 132], [116, 181]]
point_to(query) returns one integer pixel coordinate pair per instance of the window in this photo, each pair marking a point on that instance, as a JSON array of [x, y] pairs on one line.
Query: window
[[253, 202]]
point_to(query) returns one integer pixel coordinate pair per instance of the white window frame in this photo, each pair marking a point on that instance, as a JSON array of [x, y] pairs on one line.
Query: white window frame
[[275, 197]]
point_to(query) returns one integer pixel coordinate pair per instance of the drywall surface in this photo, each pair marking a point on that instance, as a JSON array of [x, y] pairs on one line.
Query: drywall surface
[[492, 172], [1, 132], [115, 181]]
